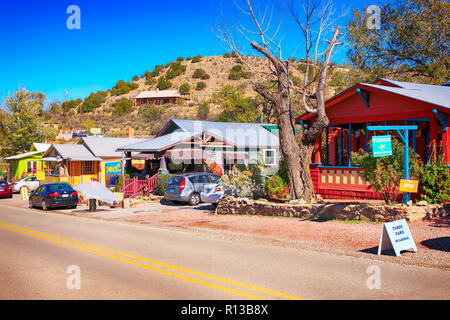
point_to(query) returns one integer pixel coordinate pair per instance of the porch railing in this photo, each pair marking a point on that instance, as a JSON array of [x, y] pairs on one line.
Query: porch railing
[[131, 188], [342, 183]]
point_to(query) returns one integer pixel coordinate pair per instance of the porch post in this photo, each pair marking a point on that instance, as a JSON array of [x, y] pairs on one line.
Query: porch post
[[317, 157], [367, 137], [433, 135], [326, 145], [445, 142], [349, 152]]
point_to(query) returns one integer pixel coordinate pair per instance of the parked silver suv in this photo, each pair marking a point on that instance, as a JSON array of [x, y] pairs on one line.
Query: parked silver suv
[[187, 187]]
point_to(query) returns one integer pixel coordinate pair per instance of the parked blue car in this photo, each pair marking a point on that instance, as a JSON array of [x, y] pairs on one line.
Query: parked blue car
[[54, 195]]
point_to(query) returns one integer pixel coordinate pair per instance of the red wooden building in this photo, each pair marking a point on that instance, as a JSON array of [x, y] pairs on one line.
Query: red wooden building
[[158, 97], [384, 102]]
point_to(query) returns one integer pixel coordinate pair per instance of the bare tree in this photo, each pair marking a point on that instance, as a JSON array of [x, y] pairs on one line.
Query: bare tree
[[316, 21]]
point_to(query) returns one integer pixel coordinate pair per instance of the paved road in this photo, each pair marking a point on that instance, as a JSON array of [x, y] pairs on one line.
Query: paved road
[[131, 261]]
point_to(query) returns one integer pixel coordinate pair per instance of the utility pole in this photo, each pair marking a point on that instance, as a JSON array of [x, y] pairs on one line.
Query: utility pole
[[81, 111], [65, 107]]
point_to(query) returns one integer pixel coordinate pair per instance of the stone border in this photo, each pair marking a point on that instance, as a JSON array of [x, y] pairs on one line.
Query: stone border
[[330, 211]]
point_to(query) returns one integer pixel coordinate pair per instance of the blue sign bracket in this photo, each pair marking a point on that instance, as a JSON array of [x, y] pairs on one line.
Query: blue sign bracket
[[364, 96], [442, 121], [405, 139]]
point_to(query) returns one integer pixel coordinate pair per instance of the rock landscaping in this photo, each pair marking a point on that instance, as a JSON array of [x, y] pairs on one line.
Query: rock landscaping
[[330, 211]]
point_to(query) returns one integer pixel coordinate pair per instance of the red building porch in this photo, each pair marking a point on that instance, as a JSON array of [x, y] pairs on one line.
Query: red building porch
[[383, 103]]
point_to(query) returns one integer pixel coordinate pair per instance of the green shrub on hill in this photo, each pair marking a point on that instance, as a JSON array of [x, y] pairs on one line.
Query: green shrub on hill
[[200, 86], [94, 100], [175, 70], [123, 87], [200, 74], [197, 59], [122, 107], [164, 83], [185, 88]]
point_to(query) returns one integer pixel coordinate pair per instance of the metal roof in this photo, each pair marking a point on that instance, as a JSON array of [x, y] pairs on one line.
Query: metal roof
[[23, 155], [106, 147], [437, 95], [241, 135], [41, 147], [252, 135], [73, 152], [158, 94]]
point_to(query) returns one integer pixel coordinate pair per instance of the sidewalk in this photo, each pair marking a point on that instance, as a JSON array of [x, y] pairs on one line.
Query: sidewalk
[[359, 239]]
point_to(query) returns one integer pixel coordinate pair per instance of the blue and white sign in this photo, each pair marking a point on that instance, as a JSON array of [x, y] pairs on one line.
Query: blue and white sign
[[396, 236], [113, 168], [382, 146]]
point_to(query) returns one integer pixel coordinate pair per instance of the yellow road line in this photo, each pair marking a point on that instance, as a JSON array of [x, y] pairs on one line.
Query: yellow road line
[[212, 285], [247, 286]]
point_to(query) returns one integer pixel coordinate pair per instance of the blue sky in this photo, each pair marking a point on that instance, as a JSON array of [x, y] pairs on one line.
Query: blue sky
[[117, 40]]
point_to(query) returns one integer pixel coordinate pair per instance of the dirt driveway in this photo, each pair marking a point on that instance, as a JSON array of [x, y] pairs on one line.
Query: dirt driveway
[[359, 239]]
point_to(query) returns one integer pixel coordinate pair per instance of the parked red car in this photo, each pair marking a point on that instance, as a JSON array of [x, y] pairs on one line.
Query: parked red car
[[5, 190]]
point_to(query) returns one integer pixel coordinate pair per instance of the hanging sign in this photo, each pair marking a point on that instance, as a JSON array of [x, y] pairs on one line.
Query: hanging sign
[[396, 236], [113, 168], [382, 146], [409, 186]]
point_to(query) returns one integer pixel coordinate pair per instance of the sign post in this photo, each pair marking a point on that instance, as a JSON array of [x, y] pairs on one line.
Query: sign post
[[405, 139], [396, 236]]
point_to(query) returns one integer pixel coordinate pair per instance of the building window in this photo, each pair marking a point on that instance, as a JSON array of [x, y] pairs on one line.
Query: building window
[[269, 157], [88, 167], [32, 167]]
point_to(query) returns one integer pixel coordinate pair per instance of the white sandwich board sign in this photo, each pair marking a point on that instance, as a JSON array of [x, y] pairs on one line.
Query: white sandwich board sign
[[396, 236]]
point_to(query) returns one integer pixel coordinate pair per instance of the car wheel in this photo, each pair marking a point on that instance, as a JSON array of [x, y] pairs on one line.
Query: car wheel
[[194, 199], [215, 204], [30, 204], [44, 205], [75, 206]]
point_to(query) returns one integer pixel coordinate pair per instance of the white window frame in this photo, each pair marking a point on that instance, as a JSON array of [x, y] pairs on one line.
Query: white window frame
[[265, 157]]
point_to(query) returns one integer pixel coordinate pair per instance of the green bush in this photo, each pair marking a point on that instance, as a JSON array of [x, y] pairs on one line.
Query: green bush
[[277, 188], [180, 59], [435, 181], [385, 173], [122, 107], [123, 87], [185, 88], [200, 86], [161, 183], [164, 83], [203, 111], [197, 59], [151, 112], [200, 74], [157, 70], [94, 100], [227, 55], [176, 69], [135, 78]]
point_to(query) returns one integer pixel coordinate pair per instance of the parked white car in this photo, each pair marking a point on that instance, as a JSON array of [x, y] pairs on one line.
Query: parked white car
[[32, 183], [211, 193]]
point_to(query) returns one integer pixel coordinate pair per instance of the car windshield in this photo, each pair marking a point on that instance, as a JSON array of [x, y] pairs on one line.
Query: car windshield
[[58, 187], [3, 183]]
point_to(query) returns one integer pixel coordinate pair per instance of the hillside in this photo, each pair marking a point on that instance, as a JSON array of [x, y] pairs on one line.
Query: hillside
[[217, 71]]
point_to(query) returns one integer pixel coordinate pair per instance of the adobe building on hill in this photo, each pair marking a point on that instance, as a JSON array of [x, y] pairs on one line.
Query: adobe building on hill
[[158, 97], [382, 103]]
